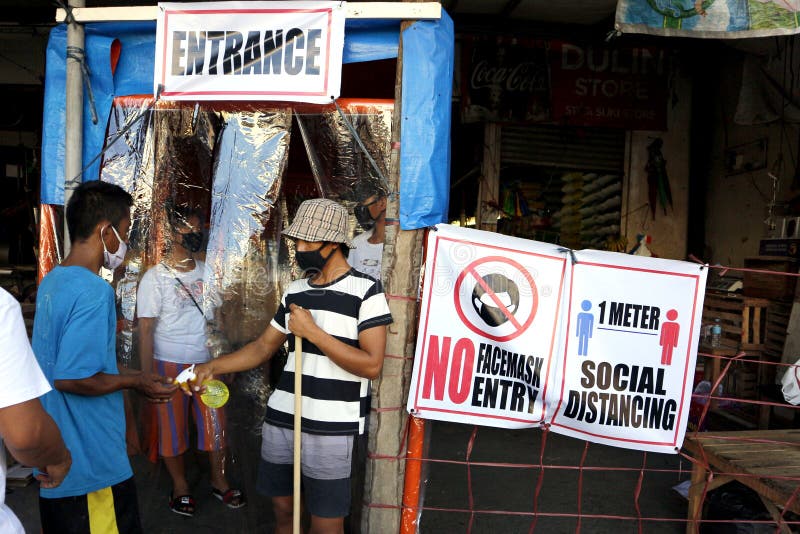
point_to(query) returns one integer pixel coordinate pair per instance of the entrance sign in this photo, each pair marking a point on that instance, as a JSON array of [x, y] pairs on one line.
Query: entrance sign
[[250, 51], [632, 327], [515, 333], [488, 324]]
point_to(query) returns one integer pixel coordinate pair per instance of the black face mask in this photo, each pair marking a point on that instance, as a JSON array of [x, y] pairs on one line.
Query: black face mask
[[311, 260], [192, 241], [364, 217]]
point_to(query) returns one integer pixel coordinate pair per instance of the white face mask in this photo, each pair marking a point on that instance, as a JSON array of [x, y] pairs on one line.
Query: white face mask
[[112, 261]]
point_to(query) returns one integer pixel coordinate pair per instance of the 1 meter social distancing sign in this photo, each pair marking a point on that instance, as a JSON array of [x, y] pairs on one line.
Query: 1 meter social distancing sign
[[626, 369], [488, 328]]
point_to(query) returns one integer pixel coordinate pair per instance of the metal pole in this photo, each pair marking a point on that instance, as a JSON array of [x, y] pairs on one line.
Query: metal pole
[[73, 143], [409, 519]]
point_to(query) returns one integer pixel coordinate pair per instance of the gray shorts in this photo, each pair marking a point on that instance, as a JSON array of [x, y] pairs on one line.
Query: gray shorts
[[325, 466], [322, 457]]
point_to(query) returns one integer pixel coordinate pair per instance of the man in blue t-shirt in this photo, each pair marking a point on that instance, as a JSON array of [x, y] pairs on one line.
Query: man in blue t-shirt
[[74, 342]]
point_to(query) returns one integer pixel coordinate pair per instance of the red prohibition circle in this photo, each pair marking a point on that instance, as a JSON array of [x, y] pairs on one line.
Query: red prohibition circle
[[470, 269]]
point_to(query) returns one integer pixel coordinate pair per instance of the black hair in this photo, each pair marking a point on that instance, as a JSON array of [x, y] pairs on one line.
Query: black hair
[[343, 248], [93, 202], [179, 215], [367, 188]]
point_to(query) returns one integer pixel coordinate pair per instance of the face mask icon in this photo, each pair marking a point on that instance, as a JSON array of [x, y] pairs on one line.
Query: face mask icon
[[500, 301]]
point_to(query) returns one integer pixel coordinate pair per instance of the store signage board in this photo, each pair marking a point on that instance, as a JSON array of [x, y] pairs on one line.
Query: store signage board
[[290, 51], [610, 86], [568, 83], [516, 333]]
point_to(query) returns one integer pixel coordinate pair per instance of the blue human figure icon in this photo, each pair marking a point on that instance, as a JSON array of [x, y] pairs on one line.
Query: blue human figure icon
[[585, 325]]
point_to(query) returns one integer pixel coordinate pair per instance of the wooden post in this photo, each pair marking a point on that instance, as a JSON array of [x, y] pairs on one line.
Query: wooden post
[[409, 9], [402, 260], [73, 113], [489, 187], [698, 480], [298, 419]]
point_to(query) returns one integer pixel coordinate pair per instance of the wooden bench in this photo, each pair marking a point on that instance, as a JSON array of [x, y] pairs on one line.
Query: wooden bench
[[767, 461]]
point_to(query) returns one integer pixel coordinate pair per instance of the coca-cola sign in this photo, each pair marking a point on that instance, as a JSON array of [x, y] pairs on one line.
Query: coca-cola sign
[[525, 77], [507, 81]]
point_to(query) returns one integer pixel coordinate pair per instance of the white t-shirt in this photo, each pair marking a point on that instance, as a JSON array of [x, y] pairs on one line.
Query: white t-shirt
[[366, 257], [180, 333], [21, 380]]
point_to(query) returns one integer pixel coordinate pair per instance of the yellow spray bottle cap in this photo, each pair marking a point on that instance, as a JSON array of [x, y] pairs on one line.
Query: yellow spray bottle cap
[[216, 393]]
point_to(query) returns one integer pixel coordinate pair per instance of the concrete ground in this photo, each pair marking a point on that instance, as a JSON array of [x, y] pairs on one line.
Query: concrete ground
[[495, 489], [605, 490], [154, 486], [244, 414], [503, 496]]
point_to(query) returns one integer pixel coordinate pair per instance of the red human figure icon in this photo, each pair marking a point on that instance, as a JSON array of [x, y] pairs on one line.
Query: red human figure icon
[[670, 331]]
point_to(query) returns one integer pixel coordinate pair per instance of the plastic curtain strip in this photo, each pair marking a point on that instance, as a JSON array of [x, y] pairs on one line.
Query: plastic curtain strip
[[238, 170], [49, 251]]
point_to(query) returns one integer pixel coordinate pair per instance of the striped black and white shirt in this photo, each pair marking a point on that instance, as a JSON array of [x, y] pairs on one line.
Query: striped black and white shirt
[[335, 401]]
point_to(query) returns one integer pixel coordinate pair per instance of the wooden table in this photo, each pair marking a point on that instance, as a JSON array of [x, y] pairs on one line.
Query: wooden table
[[20, 275], [754, 458]]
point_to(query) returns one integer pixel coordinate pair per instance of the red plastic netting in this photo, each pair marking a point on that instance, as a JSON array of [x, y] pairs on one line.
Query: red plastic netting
[[739, 468]]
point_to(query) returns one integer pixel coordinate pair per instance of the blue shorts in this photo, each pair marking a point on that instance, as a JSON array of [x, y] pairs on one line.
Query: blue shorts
[[325, 466]]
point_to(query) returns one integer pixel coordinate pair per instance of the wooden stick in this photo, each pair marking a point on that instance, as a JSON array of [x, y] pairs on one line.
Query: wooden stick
[[298, 408], [354, 10]]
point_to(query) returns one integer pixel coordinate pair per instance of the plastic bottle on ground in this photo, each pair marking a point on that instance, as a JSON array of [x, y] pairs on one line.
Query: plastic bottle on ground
[[716, 333]]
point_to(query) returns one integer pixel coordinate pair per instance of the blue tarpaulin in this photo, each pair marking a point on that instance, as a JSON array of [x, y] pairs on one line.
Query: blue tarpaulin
[[426, 105], [427, 86]]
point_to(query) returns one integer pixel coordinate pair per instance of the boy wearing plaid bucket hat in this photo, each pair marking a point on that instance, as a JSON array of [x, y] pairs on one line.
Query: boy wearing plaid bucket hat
[[341, 315]]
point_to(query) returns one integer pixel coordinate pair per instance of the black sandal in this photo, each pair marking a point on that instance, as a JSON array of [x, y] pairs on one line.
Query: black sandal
[[182, 505], [232, 498]]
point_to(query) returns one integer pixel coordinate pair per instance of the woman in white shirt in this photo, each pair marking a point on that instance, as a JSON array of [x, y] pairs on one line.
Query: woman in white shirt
[[172, 334]]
